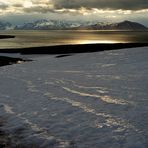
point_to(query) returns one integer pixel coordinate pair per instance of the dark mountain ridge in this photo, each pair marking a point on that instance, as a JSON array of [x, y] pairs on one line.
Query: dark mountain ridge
[[125, 25]]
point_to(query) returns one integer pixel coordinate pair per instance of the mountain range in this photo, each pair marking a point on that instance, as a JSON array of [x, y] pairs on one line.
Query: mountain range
[[71, 25], [53, 25]]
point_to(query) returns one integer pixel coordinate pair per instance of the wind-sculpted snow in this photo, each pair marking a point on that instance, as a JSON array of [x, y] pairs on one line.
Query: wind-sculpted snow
[[80, 101]]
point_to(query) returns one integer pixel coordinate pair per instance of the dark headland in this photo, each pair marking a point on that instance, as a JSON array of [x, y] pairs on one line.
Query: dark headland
[[67, 49]]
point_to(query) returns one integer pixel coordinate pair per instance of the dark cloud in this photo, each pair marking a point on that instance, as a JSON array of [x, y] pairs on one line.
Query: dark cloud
[[102, 4], [38, 9], [17, 5], [3, 6]]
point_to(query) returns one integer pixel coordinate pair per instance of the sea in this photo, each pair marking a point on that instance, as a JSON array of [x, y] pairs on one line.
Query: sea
[[29, 38]]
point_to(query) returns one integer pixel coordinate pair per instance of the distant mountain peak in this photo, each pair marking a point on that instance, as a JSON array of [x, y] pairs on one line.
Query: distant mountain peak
[[124, 25], [132, 25]]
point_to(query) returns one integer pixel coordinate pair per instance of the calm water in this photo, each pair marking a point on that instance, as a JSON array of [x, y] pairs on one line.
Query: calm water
[[48, 38]]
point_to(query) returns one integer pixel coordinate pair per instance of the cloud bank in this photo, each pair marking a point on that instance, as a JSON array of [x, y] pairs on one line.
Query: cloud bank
[[90, 9], [102, 4], [44, 6]]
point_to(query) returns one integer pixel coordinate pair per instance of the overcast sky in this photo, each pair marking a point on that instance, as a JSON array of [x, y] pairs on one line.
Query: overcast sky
[[20, 11]]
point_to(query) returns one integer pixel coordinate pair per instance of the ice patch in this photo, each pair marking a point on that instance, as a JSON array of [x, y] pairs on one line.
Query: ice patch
[[8, 109], [110, 121], [107, 99], [108, 65], [108, 77]]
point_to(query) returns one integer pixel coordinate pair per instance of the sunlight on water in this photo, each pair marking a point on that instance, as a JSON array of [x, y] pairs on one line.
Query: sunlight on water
[[50, 38], [97, 41]]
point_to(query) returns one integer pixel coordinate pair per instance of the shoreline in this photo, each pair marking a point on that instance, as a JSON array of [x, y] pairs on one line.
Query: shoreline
[[62, 50], [67, 49]]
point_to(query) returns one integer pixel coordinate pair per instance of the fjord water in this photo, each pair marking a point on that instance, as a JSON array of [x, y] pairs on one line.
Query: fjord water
[[50, 38]]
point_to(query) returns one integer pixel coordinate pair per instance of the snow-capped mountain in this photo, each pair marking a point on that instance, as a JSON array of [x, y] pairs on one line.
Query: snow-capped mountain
[[125, 25], [5, 25], [49, 25]]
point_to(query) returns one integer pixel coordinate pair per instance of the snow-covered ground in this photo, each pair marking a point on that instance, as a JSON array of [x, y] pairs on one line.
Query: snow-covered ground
[[89, 100]]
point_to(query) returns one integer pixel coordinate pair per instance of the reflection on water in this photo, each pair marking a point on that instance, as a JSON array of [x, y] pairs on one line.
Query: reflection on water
[[97, 41], [49, 38]]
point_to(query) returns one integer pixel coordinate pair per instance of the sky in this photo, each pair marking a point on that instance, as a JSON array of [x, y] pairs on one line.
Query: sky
[[21, 11]]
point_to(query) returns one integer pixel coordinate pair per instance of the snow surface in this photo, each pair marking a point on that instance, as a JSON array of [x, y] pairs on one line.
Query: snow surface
[[89, 100]]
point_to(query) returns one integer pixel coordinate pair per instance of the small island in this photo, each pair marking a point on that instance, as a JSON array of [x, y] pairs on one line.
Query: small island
[[6, 36]]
